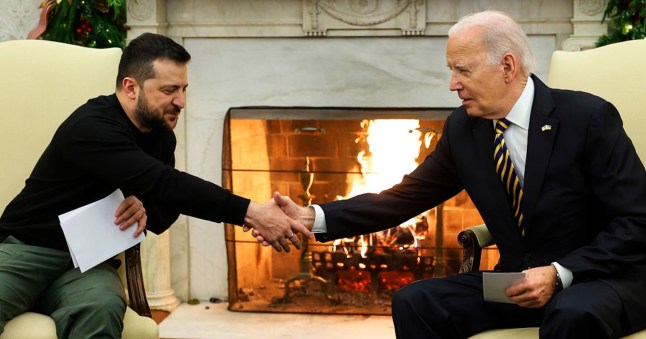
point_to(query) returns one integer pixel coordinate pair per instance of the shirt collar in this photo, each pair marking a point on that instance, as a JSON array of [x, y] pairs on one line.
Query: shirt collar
[[520, 113]]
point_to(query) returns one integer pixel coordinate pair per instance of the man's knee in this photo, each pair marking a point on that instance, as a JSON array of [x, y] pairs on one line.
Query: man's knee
[[97, 314], [407, 299], [96, 323], [105, 305], [575, 319], [571, 313]]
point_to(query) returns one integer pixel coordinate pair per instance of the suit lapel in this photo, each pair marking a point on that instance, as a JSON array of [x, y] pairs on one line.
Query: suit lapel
[[540, 141]]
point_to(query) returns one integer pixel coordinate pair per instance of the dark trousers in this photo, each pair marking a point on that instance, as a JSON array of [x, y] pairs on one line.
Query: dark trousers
[[83, 305], [453, 307]]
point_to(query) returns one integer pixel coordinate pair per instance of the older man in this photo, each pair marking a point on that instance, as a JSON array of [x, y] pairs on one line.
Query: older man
[[555, 178]]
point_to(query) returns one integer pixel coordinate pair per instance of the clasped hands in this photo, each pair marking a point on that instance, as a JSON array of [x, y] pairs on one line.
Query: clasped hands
[[277, 221]]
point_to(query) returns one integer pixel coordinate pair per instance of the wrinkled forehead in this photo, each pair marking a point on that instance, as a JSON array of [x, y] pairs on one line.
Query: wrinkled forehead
[[465, 47], [168, 71]]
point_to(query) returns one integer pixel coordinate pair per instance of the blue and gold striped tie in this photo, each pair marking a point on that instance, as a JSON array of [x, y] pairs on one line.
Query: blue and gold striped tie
[[507, 173]]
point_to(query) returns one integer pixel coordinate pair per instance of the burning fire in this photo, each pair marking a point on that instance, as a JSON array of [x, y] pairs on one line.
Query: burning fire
[[394, 146], [393, 149], [387, 260]]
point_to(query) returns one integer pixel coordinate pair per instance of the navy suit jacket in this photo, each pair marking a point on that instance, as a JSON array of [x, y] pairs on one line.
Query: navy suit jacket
[[584, 193]]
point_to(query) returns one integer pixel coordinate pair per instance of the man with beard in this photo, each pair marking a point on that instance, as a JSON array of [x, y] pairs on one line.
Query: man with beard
[[120, 141], [171, 119]]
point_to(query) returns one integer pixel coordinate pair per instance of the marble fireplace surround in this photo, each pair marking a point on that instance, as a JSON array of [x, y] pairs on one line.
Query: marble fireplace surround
[[313, 53]]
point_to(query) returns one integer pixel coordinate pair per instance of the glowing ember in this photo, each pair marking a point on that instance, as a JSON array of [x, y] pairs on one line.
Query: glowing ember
[[392, 281], [354, 281]]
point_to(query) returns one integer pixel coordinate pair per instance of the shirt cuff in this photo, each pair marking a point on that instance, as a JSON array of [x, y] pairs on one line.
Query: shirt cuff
[[565, 274], [319, 220]]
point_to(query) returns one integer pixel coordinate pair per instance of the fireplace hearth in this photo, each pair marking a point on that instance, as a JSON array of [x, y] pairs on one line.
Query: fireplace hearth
[[316, 155]]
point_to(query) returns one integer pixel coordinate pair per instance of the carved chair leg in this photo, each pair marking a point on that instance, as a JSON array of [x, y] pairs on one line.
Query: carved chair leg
[[136, 291]]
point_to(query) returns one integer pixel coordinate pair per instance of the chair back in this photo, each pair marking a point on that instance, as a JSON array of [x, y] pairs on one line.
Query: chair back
[[615, 72], [42, 83]]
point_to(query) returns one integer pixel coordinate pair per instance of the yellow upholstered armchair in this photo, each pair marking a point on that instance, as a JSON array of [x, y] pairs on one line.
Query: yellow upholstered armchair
[[614, 72], [42, 83]]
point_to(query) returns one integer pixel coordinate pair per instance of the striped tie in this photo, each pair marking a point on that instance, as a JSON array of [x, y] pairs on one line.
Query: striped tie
[[507, 173]]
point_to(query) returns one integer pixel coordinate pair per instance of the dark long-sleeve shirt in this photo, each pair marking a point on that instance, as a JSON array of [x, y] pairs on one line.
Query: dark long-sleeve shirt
[[97, 150]]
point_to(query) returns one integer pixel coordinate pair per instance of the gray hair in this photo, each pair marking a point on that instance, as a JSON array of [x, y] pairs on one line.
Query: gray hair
[[501, 35]]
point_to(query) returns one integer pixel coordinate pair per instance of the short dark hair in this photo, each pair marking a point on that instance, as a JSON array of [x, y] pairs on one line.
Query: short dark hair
[[138, 57]]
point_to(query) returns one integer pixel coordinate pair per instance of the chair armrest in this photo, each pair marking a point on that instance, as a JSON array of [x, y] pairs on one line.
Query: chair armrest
[[472, 240], [136, 290]]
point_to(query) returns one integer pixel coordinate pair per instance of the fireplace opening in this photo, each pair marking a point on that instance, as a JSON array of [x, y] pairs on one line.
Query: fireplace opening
[[316, 155]]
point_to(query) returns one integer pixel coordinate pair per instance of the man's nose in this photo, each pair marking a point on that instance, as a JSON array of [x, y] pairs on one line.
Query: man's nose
[[455, 84], [180, 100]]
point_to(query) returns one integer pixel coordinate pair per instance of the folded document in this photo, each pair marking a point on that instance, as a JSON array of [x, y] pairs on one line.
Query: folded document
[[92, 235]]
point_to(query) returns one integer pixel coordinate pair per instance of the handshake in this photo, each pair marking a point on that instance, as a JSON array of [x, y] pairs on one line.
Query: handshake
[[277, 221]]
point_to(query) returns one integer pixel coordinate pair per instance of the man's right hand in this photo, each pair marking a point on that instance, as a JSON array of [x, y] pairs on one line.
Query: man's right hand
[[303, 215], [274, 226]]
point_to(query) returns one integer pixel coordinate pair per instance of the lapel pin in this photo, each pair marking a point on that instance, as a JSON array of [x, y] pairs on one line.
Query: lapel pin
[[546, 128]]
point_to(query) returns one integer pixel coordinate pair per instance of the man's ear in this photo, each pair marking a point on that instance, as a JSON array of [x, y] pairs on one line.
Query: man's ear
[[509, 66], [130, 87]]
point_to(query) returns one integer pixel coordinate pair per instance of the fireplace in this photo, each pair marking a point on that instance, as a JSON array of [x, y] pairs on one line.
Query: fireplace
[[316, 155]]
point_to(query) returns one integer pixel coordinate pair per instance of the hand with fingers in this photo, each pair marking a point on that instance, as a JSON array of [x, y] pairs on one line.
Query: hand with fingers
[[302, 215], [129, 212], [536, 290], [274, 226]]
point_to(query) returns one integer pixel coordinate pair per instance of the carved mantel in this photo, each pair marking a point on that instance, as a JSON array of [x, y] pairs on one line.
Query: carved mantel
[[355, 17], [586, 25]]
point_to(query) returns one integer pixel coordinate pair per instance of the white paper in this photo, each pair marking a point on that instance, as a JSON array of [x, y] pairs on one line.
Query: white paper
[[91, 234], [495, 283]]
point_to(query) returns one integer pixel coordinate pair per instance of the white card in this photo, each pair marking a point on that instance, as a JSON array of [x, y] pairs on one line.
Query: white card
[[495, 283]]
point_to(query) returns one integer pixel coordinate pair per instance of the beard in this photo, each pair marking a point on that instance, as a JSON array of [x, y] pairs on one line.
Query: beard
[[147, 118]]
